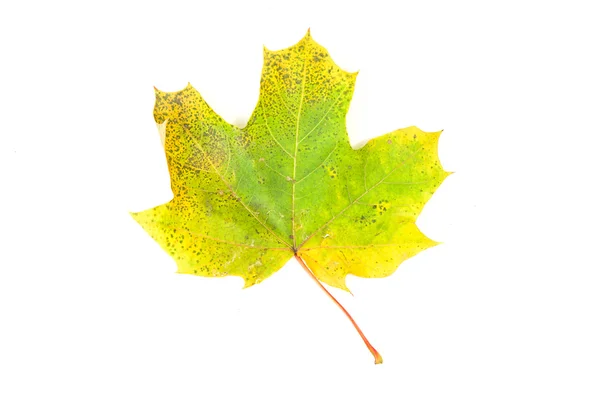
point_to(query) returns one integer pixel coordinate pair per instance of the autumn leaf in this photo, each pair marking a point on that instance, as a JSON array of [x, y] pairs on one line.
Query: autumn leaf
[[289, 184]]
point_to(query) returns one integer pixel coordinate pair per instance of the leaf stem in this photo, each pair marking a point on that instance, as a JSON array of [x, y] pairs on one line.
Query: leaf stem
[[376, 355]]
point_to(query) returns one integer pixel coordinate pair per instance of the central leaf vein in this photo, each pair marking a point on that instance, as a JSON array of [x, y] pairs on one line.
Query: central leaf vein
[[296, 154]]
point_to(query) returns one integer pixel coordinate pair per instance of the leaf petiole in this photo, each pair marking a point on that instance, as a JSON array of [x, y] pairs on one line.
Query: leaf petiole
[[376, 355]]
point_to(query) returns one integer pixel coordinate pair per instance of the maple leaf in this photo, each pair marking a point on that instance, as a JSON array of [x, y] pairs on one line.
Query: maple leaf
[[289, 184]]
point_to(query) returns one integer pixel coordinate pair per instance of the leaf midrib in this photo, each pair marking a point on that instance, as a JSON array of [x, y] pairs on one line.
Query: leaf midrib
[[295, 249]]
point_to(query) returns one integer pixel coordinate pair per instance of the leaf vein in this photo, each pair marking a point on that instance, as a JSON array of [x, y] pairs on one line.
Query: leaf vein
[[316, 168], [238, 198], [350, 246], [296, 152], [335, 103], [357, 199], [195, 234], [271, 133]]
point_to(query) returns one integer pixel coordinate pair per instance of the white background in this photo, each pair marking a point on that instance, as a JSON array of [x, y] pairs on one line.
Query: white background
[[507, 308]]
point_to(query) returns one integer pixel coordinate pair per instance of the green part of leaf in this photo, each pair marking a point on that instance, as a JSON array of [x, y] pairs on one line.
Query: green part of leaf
[[246, 200]]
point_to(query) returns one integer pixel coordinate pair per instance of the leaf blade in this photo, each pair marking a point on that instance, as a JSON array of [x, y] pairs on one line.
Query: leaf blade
[[290, 181]]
